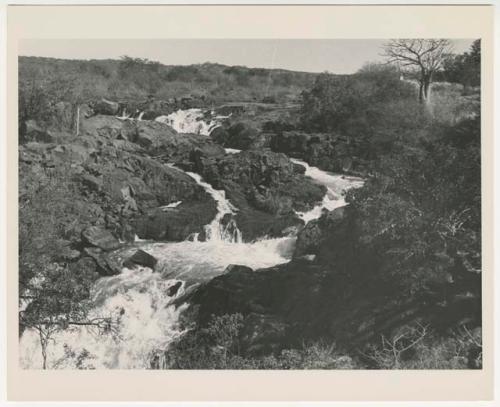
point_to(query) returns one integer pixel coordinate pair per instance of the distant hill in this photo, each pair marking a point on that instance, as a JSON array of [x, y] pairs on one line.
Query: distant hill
[[130, 78]]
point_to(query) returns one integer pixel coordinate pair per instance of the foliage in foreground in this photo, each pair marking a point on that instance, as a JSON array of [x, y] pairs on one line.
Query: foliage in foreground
[[420, 212], [217, 346], [53, 291]]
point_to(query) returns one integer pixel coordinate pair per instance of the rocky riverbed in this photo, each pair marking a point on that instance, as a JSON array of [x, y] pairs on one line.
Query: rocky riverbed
[[146, 186], [180, 227]]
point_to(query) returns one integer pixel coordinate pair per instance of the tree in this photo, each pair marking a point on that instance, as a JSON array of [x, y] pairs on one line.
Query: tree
[[464, 68], [59, 298], [54, 292], [424, 55]]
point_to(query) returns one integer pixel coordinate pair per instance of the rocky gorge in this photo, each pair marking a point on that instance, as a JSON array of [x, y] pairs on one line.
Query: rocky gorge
[[183, 232], [134, 181]]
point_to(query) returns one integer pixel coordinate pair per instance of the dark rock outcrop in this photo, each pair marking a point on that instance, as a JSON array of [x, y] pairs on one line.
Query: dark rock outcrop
[[176, 223], [237, 268], [330, 152], [104, 107], [311, 238], [140, 258], [241, 136], [290, 304], [278, 305], [100, 237], [174, 289], [266, 189], [122, 186], [339, 295], [145, 137], [106, 265]]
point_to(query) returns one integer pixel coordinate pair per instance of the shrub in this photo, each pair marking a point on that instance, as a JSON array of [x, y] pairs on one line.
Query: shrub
[[415, 347], [217, 346]]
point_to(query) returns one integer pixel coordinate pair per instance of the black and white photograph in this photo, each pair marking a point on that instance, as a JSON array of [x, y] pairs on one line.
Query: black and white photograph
[[246, 204]]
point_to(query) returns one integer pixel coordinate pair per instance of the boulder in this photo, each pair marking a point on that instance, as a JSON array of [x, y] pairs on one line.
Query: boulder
[[140, 258], [150, 136], [207, 151], [320, 235], [328, 151], [71, 153], [309, 239], [241, 136], [266, 189], [289, 304], [279, 304], [104, 107], [100, 237], [106, 266], [103, 127], [143, 136], [178, 223], [237, 268], [173, 289], [220, 135]]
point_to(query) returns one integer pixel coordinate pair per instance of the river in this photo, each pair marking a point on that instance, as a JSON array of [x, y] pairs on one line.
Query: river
[[146, 318]]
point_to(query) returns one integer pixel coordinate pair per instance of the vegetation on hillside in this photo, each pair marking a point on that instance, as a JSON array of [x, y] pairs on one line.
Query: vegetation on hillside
[[416, 223], [136, 78], [464, 68], [53, 288]]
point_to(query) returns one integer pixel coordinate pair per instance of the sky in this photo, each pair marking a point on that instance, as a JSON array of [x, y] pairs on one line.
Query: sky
[[342, 56]]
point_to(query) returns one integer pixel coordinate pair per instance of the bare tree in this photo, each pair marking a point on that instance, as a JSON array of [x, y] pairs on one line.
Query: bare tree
[[424, 55], [388, 355]]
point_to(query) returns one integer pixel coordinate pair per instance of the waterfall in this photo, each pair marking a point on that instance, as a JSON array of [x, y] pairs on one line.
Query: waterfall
[[215, 230], [141, 302], [336, 185], [124, 115], [138, 302], [232, 151], [191, 121]]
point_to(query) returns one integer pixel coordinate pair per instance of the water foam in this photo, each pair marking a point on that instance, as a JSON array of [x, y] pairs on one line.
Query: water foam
[[190, 121], [216, 230], [146, 320], [138, 303], [232, 151], [336, 185]]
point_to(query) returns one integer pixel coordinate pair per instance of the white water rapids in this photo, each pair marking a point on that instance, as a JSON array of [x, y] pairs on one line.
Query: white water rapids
[[138, 300], [215, 230], [335, 184], [191, 121]]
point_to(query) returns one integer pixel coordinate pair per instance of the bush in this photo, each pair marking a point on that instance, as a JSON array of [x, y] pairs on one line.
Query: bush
[[414, 347], [420, 212], [217, 346]]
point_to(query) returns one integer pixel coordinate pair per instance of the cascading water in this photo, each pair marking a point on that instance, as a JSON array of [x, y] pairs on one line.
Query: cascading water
[[191, 121], [232, 151], [140, 301], [145, 318], [335, 185], [216, 230]]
